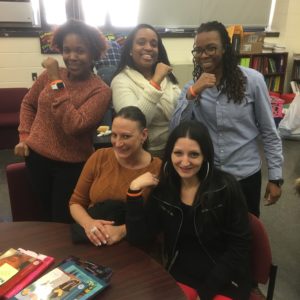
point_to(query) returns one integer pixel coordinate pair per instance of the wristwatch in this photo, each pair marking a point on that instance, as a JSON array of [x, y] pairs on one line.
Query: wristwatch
[[278, 182], [57, 85]]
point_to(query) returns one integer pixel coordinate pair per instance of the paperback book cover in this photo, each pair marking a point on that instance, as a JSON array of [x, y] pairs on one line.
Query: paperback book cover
[[68, 281], [20, 283], [15, 266]]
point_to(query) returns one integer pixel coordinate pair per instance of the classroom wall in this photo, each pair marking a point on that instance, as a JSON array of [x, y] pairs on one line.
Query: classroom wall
[[20, 57]]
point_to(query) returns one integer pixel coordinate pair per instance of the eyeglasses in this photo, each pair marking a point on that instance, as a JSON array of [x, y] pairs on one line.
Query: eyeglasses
[[210, 50]]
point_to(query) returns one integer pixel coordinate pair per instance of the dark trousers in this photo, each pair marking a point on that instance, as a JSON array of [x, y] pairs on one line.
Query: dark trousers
[[251, 187], [54, 182]]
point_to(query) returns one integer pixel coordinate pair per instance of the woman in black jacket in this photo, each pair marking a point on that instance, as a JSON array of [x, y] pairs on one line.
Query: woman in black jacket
[[202, 214]]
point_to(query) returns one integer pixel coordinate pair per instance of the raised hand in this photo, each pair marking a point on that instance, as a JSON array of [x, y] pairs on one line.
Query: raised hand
[[161, 71], [145, 180], [51, 65]]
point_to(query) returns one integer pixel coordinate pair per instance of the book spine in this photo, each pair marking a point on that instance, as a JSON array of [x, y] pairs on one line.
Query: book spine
[[29, 278]]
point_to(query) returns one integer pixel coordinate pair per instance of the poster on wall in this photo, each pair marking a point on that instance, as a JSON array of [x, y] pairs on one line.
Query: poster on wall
[[45, 41]]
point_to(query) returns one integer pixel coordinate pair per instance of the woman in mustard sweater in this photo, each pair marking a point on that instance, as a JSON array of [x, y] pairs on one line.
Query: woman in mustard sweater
[[107, 174]]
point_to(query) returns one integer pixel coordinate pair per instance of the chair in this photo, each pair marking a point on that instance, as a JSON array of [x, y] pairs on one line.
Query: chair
[[263, 271], [23, 201], [10, 104]]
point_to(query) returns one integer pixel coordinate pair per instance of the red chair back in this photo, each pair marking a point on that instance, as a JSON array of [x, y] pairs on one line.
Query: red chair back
[[24, 202], [261, 257]]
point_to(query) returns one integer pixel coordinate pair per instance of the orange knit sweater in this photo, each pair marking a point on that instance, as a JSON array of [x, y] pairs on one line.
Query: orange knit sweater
[[103, 178], [58, 124]]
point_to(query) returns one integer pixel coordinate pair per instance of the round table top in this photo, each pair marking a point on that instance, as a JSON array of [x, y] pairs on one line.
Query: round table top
[[135, 274]]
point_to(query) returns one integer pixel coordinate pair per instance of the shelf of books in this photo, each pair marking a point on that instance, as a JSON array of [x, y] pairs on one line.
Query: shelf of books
[[296, 68], [271, 65]]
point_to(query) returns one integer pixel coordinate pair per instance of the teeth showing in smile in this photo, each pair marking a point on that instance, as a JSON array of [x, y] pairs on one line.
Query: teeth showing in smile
[[147, 56]]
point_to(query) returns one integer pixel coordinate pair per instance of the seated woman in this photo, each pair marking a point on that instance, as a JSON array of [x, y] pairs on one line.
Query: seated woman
[[202, 213], [108, 173], [144, 79]]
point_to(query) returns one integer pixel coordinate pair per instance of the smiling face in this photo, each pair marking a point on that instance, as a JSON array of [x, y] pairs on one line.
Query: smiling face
[[187, 158], [210, 61], [144, 50], [127, 137], [77, 57]]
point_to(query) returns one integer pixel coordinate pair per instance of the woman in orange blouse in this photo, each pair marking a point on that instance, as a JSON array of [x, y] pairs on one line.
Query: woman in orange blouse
[[108, 173]]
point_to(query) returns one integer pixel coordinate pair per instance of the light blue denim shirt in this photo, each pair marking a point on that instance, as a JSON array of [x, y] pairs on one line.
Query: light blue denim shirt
[[235, 128]]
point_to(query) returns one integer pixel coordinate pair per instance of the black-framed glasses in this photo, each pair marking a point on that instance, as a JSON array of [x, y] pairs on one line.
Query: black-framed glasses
[[210, 50]]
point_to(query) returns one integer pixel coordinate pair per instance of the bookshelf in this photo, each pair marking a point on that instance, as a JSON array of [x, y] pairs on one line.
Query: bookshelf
[[271, 65], [296, 70]]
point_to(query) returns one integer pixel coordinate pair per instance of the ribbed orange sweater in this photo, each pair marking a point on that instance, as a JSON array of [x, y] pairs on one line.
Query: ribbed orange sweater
[[58, 124], [103, 178]]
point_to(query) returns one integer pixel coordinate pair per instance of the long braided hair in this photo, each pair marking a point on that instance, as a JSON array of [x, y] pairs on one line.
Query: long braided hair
[[233, 81]]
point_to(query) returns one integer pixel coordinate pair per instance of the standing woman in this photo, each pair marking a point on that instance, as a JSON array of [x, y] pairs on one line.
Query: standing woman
[[58, 116], [234, 103], [202, 213], [144, 79]]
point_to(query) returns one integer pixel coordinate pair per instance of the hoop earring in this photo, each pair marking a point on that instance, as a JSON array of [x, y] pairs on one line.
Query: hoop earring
[[207, 171]]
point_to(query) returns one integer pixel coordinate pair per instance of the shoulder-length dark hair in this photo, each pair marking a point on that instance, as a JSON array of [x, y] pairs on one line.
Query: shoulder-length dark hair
[[196, 131], [126, 58], [95, 40], [233, 80]]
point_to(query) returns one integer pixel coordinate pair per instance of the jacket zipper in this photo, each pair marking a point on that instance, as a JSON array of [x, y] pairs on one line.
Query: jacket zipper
[[175, 253]]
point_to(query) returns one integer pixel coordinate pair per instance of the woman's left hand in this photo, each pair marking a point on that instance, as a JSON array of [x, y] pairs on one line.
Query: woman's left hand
[[115, 233], [51, 65]]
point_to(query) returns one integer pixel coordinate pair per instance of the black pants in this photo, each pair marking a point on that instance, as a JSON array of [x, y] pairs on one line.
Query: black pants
[[251, 187], [54, 182]]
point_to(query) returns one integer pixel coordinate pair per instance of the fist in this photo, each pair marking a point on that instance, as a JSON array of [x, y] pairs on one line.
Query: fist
[[206, 80], [161, 71], [51, 65]]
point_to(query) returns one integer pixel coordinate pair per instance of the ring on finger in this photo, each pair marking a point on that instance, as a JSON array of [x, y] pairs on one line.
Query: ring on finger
[[94, 229]]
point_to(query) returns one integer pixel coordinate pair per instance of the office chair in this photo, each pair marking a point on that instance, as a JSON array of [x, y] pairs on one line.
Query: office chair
[[263, 271], [23, 201]]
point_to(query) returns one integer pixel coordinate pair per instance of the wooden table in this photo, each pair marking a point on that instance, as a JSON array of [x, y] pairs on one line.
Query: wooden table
[[135, 275]]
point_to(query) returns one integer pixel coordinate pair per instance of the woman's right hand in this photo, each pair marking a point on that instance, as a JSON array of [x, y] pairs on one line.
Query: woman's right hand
[[22, 149], [145, 180], [96, 232], [206, 80], [52, 67]]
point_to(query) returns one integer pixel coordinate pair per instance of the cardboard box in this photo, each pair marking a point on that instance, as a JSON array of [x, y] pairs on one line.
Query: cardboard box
[[252, 42]]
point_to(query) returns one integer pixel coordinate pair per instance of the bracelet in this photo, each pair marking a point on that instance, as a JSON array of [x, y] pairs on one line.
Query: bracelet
[[134, 193], [55, 81], [192, 92], [154, 84]]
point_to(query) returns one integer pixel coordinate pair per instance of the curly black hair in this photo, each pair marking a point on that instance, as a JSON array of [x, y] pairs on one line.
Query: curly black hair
[[126, 58], [233, 81], [94, 39]]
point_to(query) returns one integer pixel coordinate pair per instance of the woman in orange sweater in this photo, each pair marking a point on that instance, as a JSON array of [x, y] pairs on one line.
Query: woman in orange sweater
[[58, 116], [107, 174]]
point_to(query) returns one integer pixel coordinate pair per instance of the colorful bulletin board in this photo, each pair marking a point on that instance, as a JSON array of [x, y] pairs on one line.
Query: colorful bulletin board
[[45, 41]]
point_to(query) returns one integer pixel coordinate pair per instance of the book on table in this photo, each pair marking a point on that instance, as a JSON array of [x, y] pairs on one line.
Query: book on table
[[69, 280], [18, 268]]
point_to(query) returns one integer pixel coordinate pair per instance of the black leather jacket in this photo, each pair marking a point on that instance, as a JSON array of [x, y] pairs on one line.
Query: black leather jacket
[[221, 225]]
